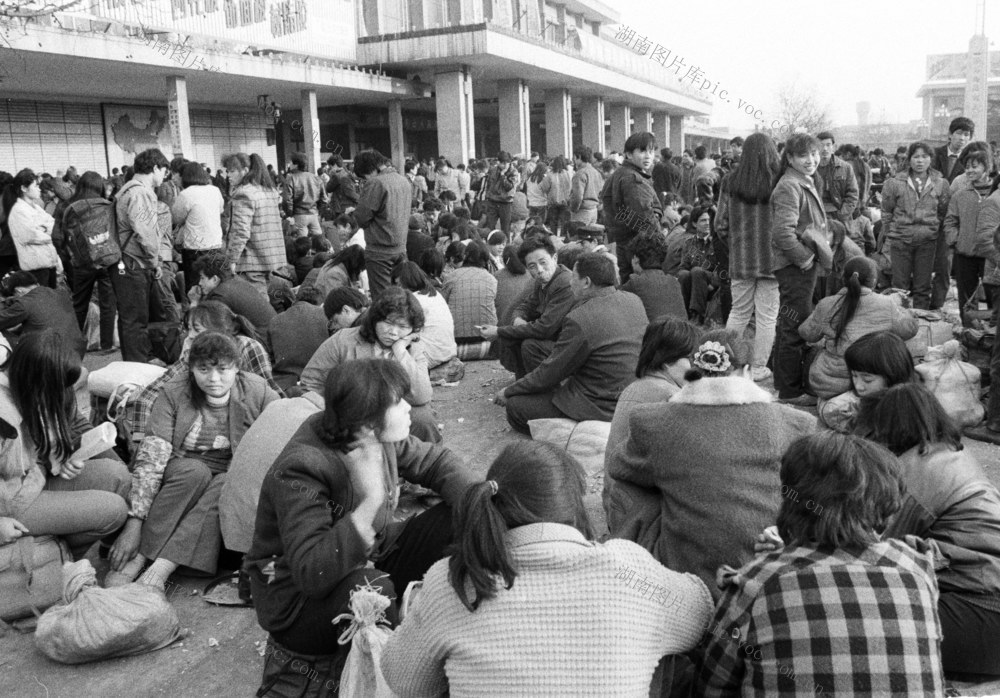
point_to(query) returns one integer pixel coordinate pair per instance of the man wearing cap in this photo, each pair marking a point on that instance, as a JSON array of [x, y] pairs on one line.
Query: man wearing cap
[[500, 183], [585, 191], [417, 239]]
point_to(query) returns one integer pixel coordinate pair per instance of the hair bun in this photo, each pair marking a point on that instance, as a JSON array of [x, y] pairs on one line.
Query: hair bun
[[712, 357]]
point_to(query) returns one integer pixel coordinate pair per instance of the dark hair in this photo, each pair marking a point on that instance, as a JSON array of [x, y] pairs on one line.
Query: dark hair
[[700, 152], [299, 160], [341, 296], [824, 135], [410, 276], [257, 171], [837, 491], [536, 483], [738, 141], [584, 153], [477, 254], [353, 259], [568, 254], [193, 174], [219, 317], [558, 164], [393, 301], [455, 251], [12, 192], [497, 237], [512, 261], [309, 294], [666, 154], [962, 123], [915, 146], [882, 354], [432, 262], [738, 348], [597, 267], [651, 249], [367, 162], [90, 186], [356, 395], [754, 177], [302, 247], [461, 213], [432, 204], [44, 366], [148, 160], [666, 340], [213, 263], [17, 279], [644, 140], [344, 221], [213, 349], [978, 151], [909, 415], [538, 174], [797, 144], [535, 242], [859, 273], [698, 212]]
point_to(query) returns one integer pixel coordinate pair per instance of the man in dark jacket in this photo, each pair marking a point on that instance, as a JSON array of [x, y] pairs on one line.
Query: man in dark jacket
[[383, 212], [666, 175], [301, 196], [218, 283], [500, 183], [594, 359], [343, 193], [36, 308], [960, 132], [839, 184]]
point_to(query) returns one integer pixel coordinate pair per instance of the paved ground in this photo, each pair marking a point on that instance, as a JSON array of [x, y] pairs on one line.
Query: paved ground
[[473, 426]]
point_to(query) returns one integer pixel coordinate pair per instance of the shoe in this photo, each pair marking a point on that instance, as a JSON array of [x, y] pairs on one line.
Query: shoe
[[127, 574], [804, 400], [760, 373]]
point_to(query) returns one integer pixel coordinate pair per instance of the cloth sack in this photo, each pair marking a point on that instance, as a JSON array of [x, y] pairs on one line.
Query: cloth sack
[[840, 412], [368, 633], [932, 331], [955, 383], [586, 441], [94, 623], [31, 575], [104, 381]]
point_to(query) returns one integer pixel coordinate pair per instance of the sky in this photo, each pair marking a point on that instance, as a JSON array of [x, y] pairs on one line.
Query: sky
[[849, 50]]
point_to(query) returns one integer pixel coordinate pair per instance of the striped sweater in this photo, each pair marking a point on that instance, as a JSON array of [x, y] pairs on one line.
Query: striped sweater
[[747, 230]]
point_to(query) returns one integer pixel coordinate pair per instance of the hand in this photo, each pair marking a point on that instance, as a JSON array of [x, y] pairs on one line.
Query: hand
[[71, 469], [518, 321], [768, 541], [488, 332], [127, 544], [808, 264], [11, 530], [194, 295], [364, 465], [500, 398], [232, 268], [400, 346], [349, 210], [725, 575], [158, 274]]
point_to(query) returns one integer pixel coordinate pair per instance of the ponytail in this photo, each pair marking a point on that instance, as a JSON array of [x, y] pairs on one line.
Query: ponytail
[[480, 554], [242, 326], [859, 273]]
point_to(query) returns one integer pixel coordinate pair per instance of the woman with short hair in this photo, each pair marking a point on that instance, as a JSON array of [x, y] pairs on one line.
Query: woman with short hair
[[438, 335], [471, 292], [31, 228], [197, 218]]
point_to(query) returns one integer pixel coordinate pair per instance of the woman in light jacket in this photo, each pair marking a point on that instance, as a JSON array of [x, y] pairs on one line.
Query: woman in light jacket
[[537, 200], [197, 216], [796, 207], [31, 228], [973, 216], [914, 205]]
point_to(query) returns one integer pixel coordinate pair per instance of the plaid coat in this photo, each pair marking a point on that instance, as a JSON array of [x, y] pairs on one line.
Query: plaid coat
[[804, 621], [253, 234]]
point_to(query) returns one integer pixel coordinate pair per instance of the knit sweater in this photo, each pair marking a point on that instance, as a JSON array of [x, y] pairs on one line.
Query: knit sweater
[[581, 619]]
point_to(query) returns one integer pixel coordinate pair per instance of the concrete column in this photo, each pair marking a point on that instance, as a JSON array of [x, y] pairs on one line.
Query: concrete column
[[558, 123], [677, 134], [179, 117], [515, 116], [642, 119], [661, 129], [592, 124], [620, 116], [456, 128], [310, 129], [397, 143]]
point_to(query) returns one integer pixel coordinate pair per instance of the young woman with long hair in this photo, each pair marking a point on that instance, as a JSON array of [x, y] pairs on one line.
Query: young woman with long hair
[[513, 282], [255, 243], [537, 200], [31, 228], [495, 618], [438, 335], [471, 292], [343, 269], [743, 222], [556, 186]]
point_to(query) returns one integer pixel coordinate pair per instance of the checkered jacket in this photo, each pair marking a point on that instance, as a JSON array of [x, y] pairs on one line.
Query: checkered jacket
[[253, 229], [806, 622]]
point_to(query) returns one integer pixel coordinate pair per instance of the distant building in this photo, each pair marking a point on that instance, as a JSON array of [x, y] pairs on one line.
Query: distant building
[[943, 94]]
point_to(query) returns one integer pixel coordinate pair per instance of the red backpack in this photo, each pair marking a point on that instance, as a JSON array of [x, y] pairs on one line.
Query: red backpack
[[90, 226]]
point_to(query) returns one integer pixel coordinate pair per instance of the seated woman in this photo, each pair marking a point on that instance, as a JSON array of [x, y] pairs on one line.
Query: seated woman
[[343, 269], [309, 552], [664, 358], [712, 453], [841, 319], [42, 491], [207, 316], [438, 335], [513, 285], [471, 292], [197, 421], [496, 619], [390, 329], [774, 630], [951, 502]]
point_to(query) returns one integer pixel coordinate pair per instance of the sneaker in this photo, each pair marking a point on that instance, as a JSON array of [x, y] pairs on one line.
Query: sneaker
[[760, 373], [804, 400]]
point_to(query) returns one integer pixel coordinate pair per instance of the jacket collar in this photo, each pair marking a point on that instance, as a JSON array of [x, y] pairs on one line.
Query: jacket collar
[[630, 165], [730, 390], [530, 534]]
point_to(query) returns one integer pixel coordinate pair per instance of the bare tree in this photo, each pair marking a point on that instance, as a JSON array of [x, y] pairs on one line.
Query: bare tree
[[798, 107]]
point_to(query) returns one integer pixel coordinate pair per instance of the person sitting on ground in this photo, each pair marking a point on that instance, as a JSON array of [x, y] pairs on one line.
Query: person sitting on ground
[[345, 268], [471, 292], [390, 329], [477, 628], [513, 285], [840, 320], [592, 361], [700, 274], [438, 334], [432, 263], [196, 422], [530, 337], [772, 632], [217, 283], [310, 552], [37, 308], [949, 501], [43, 491], [300, 252], [418, 238], [660, 294], [343, 307], [496, 241], [294, 336], [712, 452]]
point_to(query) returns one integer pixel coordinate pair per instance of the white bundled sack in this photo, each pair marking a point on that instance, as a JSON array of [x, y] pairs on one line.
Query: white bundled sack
[[954, 383], [104, 381], [586, 441], [368, 633]]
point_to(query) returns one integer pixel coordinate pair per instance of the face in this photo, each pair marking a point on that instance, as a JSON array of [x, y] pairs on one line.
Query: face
[[395, 423], [215, 380], [496, 250], [236, 174], [431, 217], [345, 318], [704, 224], [868, 384], [541, 265], [207, 284], [828, 147], [687, 159], [806, 164], [975, 171], [392, 329], [643, 159], [959, 139], [32, 191], [920, 161]]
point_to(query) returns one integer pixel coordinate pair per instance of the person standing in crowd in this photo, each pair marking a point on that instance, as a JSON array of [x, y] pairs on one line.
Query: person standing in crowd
[[556, 186], [796, 214], [862, 173], [914, 205], [343, 193], [743, 223], [538, 202], [383, 212], [585, 190], [630, 202], [31, 228], [301, 196], [197, 217], [702, 163], [136, 278], [839, 184], [687, 176], [171, 187], [948, 161], [254, 243], [445, 178], [499, 185], [666, 175]]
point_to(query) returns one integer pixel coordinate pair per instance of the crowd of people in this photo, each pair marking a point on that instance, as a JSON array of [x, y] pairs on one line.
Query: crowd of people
[[303, 321]]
